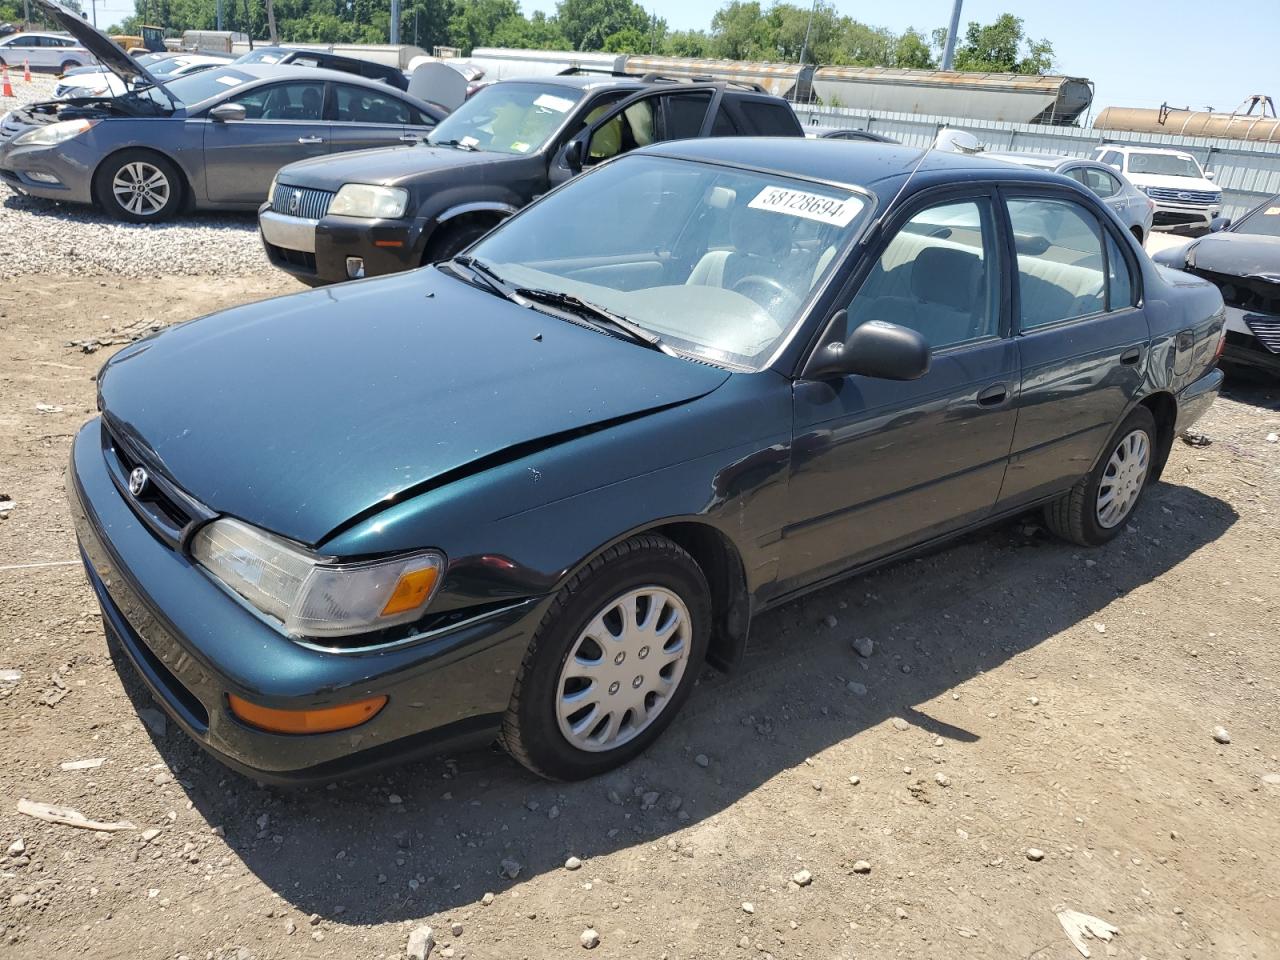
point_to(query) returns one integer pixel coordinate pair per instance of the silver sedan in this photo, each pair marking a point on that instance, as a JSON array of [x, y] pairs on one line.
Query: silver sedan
[[1134, 207]]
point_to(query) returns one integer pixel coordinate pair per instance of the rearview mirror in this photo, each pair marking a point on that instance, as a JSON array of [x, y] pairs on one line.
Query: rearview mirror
[[575, 154], [877, 349], [1218, 224], [227, 111]]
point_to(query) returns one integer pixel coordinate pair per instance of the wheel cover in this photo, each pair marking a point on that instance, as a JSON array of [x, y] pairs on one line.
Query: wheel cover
[[623, 669], [141, 188], [1123, 479]]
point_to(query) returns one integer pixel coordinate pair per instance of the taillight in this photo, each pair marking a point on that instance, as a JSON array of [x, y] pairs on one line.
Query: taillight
[[1222, 344]]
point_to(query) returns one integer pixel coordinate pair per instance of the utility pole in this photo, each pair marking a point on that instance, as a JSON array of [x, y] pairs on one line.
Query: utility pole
[[271, 22], [804, 47], [949, 51], [219, 15], [93, 5], [395, 22]]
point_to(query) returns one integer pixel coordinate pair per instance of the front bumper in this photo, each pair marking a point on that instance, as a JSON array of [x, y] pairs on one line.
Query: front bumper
[[1253, 339], [1173, 216], [193, 645], [317, 251], [56, 173]]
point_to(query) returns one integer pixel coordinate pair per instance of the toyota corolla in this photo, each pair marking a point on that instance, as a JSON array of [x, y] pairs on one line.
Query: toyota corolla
[[527, 492]]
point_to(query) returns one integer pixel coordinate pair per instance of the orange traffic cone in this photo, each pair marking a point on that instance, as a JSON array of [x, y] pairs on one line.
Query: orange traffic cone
[[26, 71], [7, 89]]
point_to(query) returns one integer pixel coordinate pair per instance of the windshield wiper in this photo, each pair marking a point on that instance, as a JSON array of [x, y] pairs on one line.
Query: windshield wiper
[[470, 147], [486, 273], [598, 316]]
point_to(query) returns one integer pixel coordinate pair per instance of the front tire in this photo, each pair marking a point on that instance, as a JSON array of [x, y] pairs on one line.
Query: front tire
[[612, 661], [68, 65], [452, 239], [1099, 506], [138, 186]]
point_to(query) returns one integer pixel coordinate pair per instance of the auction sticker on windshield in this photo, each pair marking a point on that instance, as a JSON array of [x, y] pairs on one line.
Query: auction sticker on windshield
[[550, 102], [838, 212]]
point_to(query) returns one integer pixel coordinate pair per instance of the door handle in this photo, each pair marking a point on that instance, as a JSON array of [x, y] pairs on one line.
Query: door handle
[[409, 138], [311, 139], [1131, 356], [993, 395]]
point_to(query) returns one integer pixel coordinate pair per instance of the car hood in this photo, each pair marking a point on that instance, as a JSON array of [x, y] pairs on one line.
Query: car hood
[[1166, 182], [1234, 254], [387, 166], [97, 43], [301, 413]]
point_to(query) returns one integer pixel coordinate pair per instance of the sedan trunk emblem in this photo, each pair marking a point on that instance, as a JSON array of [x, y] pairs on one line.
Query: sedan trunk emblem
[[138, 480]]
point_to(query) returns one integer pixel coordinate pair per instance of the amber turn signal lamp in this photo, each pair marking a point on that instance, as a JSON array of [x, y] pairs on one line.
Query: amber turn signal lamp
[[319, 720], [411, 591]]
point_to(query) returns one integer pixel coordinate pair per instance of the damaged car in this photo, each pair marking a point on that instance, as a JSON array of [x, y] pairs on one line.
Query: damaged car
[[210, 140], [527, 492], [1242, 260]]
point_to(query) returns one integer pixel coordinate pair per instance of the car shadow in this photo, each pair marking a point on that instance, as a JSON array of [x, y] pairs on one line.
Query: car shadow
[[1254, 387], [432, 836]]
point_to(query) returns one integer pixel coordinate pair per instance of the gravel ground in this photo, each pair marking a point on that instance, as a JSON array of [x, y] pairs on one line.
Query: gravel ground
[[49, 238], [1031, 731]]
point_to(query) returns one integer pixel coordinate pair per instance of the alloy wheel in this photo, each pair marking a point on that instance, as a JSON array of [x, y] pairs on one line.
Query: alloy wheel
[[1123, 478], [141, 188], [623, 669]]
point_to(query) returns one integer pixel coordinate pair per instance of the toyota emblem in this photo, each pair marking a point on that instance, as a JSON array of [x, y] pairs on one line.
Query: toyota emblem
[[294, 202], [138, 480]]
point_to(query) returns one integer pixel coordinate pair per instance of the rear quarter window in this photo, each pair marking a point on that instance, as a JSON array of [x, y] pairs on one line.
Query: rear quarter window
[[767, 119]]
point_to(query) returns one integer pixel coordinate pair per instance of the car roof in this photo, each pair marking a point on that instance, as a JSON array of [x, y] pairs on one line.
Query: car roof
[[1170, 153], [1046, 160], [277, 71], [580, 81], [41, 33], [875, 166]]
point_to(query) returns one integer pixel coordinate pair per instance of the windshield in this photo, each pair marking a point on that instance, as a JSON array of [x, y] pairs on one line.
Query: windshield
[[1263, 222], [717, 262], [1164, 164], [196, 87], [167, 66], [263, 56], [508, 117]]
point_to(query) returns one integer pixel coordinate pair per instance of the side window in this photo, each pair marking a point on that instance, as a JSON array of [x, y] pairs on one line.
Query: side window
[[1120, 286], [685, 113], [362, 105], [769, 119], [1112, 159], [938, 276], [724, 125], [284, 101], [1101, 182], [1060, 263], [636, 126]]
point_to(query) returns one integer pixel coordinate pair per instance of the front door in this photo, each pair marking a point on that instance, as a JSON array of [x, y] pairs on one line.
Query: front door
[[879, 465], [283, 122], [364, 117], [1082, 341]]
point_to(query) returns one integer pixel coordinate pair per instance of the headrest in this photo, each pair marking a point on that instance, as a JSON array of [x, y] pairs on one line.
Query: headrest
[[946, 276]]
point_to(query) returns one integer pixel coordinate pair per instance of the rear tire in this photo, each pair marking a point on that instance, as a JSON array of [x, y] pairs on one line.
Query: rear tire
[[581, 707], [451, 239], [1099, 506], [67, 65], [138, 186]]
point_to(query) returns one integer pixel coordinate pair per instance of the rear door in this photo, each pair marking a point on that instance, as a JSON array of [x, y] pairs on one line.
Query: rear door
[[364, 117], [672, 112], [31, 49], [1082, 339], [284, 122]]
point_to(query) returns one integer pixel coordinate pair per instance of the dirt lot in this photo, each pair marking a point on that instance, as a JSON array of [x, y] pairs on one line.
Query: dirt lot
[[1022, 695]]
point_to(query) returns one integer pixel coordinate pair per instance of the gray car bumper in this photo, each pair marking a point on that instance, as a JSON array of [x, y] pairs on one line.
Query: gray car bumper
[[57, 172]]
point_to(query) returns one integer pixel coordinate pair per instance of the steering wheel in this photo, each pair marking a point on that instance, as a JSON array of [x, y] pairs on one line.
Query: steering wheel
[[755, 285]]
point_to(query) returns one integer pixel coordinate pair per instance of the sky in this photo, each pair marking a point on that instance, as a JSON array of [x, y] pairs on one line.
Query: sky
[[1138, 53]]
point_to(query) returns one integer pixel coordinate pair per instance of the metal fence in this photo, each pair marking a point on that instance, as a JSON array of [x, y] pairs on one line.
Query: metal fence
[[1247, 172]]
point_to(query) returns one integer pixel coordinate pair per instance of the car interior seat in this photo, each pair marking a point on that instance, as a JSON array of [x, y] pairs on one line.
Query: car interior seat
[[944, 299], [757, 247]]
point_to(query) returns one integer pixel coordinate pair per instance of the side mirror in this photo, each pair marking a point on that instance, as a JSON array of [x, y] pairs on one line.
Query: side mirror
[[1208, 174], [877, 349], [575, 153], [227, 111], [1218, 224]]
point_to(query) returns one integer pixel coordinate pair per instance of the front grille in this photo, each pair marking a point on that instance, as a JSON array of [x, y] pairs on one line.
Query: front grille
[[295, 258], [1167, 218], [11, 128], [170, 513], [1267, 330], [1189, 197], [1247, 293], [301, 201]]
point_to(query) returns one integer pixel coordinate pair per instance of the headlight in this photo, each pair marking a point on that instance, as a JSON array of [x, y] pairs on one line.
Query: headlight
[[271, 192], [366, 200], [52, 133], [310, 595]]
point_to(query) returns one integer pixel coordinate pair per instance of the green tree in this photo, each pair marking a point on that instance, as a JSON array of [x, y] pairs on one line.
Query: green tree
[[999, 48], [912, 51], [475, 21], [739, 31], [538, 32], [687, 43], [588, 23]]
